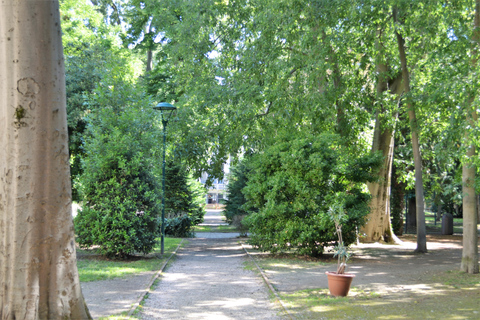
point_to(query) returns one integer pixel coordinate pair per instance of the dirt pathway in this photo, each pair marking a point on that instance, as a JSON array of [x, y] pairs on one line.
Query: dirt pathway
[[385, 269], [208, 281]]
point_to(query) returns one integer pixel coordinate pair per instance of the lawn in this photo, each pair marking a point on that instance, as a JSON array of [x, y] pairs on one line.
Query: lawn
[[93, 267]]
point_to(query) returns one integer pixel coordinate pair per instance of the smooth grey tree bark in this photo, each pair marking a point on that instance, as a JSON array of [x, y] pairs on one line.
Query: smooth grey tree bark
[[38, 272], [470, 234]]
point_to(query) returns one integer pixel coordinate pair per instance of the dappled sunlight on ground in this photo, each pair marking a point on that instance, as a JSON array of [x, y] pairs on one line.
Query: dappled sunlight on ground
[[391, 282], [434, 301]]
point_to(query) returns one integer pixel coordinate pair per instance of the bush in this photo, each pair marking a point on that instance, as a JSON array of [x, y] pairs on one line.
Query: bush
[[292, 185], [124, 219], [180, 227], [119, 188], [120, 214]]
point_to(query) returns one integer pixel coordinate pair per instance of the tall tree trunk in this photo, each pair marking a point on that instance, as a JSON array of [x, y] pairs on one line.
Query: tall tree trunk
[[38, 272], [421, 228], [150, 45], [412, 214], [397, 202], [470, 234], [149, 60], [378, 226], [478, 208]]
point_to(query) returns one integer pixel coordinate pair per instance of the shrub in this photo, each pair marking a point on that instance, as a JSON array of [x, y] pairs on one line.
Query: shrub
[[292, 184], [121, 217], [119, 188], [180, 227]]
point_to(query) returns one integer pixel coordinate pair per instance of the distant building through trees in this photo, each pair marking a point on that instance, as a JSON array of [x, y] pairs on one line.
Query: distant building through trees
[[217, 192]]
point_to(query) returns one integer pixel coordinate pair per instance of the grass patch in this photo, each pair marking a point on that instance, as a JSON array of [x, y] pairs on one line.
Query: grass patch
[[436, 227], [94, 267], [250, 266], [220, 228], [202, 228], [458, 279], [227, 228]]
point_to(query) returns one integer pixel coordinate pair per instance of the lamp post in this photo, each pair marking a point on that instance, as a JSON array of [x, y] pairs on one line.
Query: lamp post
[[166, 110]]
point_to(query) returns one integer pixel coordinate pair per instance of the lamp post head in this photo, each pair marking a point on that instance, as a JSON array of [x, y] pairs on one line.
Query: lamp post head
[[164, 106]]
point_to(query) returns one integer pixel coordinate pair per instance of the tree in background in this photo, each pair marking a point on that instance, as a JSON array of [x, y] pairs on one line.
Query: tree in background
[[451, 87], [237, 180], [38, 273], [184, 201], [90, 46]]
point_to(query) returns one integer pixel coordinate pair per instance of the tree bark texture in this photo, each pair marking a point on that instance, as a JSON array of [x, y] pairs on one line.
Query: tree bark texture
[[397, 203], [378, 226], [417, 158], [412, 214], [149, 60], [478, 208], [470, 234], [38, 272]]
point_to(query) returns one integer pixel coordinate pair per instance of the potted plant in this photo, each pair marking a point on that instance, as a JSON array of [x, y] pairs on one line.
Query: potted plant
[[339, 282]]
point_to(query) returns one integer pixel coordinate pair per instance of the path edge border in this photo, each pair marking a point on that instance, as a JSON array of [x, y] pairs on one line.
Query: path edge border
[[270, 286], [152, 281]]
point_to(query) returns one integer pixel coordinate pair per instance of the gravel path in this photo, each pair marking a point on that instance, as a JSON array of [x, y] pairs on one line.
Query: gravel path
[[109, 297], [207, 280]]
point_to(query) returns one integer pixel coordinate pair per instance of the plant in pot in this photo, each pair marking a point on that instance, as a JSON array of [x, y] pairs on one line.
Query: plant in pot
[[339, 282]]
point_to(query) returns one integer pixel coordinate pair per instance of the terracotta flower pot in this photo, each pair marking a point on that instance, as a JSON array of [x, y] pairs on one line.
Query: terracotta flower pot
[[339, 284]]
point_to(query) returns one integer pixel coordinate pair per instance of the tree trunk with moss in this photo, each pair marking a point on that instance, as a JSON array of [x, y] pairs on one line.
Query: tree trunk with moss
[[38, 272]]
